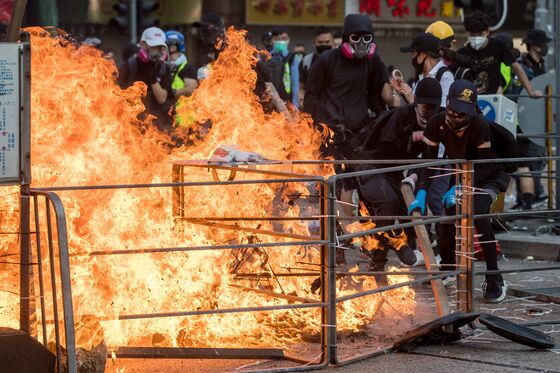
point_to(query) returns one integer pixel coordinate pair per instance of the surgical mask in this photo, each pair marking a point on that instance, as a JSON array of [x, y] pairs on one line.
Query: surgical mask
[[477, 42], [281, 46], [322, 48], [418, 66]]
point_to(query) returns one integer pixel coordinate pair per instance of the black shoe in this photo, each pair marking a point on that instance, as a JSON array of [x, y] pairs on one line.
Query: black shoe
[[407, 255], [494, 289]]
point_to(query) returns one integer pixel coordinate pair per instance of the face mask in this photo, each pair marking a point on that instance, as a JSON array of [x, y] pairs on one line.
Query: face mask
[[418, 67], [156, 56], [210, 36], [360, 49], [322, 48], [423, 114], [281, 46], [455, 124], [477, 42], [543, 50]]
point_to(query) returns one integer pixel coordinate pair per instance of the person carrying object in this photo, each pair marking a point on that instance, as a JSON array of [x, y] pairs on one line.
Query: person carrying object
[[466, 135]]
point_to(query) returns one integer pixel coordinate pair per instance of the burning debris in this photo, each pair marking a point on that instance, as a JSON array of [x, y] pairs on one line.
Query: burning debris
[[86, 131]]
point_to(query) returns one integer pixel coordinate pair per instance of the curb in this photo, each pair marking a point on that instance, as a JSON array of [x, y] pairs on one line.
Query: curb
[[521, 246]]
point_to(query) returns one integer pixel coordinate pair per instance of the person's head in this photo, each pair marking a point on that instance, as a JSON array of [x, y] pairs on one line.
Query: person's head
[[357, 37], [427, 99], [212, 30], [506, 38], [537, 42], [337, 39], [280, 41], [443, 32], [322, 39], [152, 45], [424, 51], [266, 40], [461, 105], [175, 42], [477, 25], [299, 49]]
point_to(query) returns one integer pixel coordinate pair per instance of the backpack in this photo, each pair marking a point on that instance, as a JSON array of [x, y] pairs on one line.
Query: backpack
[[463, 73], [307, 61], [504, 145], [442, 70]]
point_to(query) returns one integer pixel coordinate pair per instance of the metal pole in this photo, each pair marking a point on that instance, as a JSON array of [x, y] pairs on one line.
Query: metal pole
[[133, 21], [465, 235], [557, 68], [25, 251], [331, 265], [549, 130]]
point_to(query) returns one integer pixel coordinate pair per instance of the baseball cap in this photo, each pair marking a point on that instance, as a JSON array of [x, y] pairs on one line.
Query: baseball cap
[[428, 91], [462, 97], [535, 36], [153, 36], [423, 43]]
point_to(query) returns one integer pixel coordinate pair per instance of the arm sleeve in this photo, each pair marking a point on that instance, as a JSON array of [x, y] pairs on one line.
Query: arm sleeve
[[302, 73], [378, 76], [315, 84], [446, 81], [507, 56], [430, 152], [190, 71]]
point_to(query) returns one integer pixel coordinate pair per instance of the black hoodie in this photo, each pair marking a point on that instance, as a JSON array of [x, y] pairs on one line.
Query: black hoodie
[[340, 90]]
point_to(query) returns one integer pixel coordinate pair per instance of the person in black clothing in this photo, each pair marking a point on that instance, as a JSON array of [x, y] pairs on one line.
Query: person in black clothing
[[487, 55], [148, 66], [346, 84], [322, 41], [466, 135], [400, 137], [537, 48]]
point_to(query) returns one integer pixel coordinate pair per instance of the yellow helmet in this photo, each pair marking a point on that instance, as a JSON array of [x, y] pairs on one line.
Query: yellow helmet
[[441, 30]]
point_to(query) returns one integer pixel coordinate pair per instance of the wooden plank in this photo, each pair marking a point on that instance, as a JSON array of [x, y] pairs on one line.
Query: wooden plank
[[429, 258], [16, 21], [292, 298]]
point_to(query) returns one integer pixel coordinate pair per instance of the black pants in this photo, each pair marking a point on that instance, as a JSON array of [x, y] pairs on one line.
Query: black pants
[[447, 244], [382, 194]]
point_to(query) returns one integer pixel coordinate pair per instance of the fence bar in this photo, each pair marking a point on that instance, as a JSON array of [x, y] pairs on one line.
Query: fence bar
[[218, 311], [395, 286], [331, 275], [465, 281], [25, 252], [40, 263], [327, 266], [518, 270]]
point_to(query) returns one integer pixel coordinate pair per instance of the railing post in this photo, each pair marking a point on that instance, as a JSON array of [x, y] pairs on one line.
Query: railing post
[[464, 243], [25, 253], [331, 266]]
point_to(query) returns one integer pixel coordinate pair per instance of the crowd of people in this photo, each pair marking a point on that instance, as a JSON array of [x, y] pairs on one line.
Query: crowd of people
[[376, 114]]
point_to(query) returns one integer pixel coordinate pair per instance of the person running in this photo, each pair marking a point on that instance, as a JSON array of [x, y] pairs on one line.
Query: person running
[[466, 135]]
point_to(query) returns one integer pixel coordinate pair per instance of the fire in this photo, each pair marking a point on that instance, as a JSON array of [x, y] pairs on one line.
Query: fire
[[86, 131]]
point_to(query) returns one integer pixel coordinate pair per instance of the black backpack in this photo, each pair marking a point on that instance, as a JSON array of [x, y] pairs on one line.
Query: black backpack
[[504, 145]]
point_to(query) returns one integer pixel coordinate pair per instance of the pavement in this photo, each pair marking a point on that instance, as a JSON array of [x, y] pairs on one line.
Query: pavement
[[480, 350]]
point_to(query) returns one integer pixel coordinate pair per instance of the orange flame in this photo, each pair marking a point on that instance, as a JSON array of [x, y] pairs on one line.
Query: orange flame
[[86, 131]]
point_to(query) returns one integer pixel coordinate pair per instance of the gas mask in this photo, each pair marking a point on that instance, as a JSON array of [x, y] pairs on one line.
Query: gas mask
[[476, 42], [360, 44], [457, 123]]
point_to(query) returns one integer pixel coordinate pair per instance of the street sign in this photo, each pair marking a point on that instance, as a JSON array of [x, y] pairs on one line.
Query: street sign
[[14, 127]]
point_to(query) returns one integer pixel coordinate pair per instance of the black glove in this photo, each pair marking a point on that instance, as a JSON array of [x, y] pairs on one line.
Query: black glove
[[155, 69]]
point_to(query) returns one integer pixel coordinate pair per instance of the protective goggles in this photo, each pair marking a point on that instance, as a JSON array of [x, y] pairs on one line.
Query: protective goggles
[[355, 38]]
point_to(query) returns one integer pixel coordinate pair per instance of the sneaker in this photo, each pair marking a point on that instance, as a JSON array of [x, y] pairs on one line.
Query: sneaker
[[449, 281], [494, 289], [407, 255]]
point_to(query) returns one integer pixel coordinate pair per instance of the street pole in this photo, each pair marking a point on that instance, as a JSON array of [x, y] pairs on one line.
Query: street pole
[[133, 21], [557, 75]]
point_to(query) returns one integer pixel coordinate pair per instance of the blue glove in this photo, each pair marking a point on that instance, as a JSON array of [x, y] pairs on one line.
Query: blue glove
[[418, 203], [450, 198]]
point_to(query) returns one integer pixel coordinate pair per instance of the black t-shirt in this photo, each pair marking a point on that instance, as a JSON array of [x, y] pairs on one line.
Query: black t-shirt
[[303, 69], [487, 62], [136, 70], [339, 90]]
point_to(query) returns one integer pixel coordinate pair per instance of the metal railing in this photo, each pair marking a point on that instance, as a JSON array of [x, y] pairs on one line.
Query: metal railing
[[328, 241]]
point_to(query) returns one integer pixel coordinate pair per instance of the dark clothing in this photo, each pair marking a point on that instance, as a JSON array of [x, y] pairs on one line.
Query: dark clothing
[[304, 69], [532, 68], [465, 147], [136, 70], [191, 70], [339, 91], [487, 64], [447, 233]]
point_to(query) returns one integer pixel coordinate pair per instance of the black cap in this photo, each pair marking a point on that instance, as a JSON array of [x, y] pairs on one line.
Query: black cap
[[462, 97], [535, 36], [428, 91], [423, 43]]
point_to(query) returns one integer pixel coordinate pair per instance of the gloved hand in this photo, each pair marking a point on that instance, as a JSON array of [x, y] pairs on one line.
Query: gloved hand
[[410, 180], [450, 198], [155, 69], [419, 203]]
